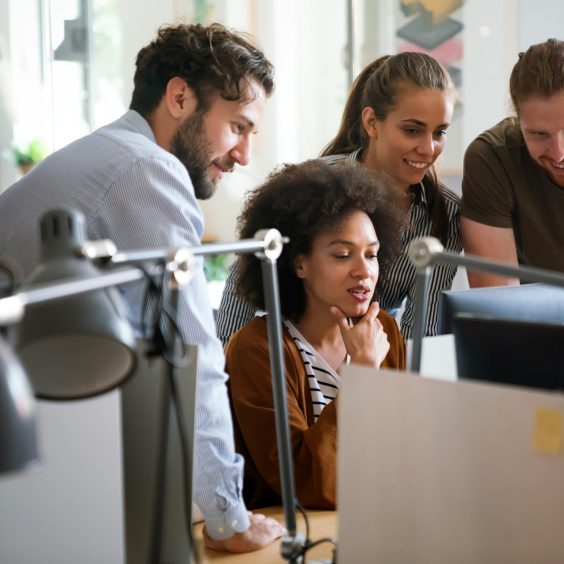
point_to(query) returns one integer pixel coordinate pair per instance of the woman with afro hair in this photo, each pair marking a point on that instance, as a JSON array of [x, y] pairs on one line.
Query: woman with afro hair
[[344, 225]]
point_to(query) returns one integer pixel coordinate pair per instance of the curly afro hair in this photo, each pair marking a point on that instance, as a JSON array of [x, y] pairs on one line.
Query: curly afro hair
[[304, 200]]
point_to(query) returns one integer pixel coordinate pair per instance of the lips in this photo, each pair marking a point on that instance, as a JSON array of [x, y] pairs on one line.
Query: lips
[[419, 165], [224, 164], [360, 293], [552, 167], [223, 169], [219, 171]]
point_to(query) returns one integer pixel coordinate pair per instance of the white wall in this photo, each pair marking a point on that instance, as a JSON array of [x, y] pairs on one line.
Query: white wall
[[490, 51], [139, 26], [539, 20], [306, 47], [7, 168]]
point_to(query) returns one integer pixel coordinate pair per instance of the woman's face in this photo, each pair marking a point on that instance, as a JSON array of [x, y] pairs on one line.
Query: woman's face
[[342, 268], [412, 136]]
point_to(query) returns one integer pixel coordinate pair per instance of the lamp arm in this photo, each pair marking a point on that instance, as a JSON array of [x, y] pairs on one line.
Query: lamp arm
[[267, 246], [293, 543], [93, 250], [524, 273], [426, 252], [12, 308], [422, 278]]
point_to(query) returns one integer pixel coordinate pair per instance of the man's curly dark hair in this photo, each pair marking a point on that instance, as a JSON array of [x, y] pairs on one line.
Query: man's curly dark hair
[[305, 200], [210, 59]]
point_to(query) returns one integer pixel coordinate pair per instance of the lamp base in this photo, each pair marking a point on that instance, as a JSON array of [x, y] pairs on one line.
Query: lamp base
[[142, 401]]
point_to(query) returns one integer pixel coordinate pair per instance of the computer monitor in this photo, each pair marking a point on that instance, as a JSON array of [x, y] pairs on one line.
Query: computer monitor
[[443, 472], [521, 353], [528, 302]]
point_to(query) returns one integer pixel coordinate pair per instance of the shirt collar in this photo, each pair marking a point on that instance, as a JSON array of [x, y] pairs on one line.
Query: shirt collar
[[138, 124], [418, 192], [354, 156]]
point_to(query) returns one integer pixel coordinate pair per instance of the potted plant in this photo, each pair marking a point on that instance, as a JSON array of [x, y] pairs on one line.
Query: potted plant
[[26, 157]]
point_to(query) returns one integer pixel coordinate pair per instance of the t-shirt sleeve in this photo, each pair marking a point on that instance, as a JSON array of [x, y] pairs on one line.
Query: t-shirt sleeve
[[487, 195]]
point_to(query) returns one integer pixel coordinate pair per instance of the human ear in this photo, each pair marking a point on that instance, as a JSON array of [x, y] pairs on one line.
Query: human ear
[[180, 98], [369, 122], [299, 267]]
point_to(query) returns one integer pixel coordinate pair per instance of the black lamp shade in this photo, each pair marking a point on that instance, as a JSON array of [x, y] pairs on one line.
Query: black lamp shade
[[18, 441], [79, 346]]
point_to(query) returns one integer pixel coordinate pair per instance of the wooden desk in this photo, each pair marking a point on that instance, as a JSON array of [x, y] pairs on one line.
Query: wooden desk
[[322, 524]]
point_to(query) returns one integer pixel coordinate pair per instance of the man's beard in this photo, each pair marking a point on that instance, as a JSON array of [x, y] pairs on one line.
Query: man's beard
[[192, 148]]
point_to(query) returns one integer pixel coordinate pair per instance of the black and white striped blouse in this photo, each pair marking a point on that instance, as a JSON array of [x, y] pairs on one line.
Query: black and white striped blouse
[[400, 286], [323, 381]]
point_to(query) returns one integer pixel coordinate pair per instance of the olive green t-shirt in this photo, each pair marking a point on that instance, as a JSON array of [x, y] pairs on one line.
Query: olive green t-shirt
[[503, 187]]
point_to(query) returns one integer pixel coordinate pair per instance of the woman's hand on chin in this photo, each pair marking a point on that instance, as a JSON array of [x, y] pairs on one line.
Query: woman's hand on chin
[[365, 341]]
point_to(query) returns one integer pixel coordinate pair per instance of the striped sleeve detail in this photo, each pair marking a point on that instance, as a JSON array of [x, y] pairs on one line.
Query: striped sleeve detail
[[318, 377], [400, 284], [233, 312]]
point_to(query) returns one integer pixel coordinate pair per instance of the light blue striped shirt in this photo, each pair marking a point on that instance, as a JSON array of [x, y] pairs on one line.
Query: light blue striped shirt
[[140, 196]]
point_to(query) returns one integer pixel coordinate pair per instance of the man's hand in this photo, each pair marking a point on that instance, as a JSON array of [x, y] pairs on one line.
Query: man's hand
[[262, 531]]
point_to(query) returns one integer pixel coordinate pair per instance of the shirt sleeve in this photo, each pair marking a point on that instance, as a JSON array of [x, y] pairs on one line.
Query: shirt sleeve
[[486, 187], [442, 275], [152, 205], [233, 312], [313, 447]]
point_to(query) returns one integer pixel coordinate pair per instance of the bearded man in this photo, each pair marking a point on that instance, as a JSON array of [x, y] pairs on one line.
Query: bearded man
[[198, 97]]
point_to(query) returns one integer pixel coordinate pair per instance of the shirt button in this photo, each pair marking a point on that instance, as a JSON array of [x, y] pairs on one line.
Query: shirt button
[[221, 529], [234, 523]]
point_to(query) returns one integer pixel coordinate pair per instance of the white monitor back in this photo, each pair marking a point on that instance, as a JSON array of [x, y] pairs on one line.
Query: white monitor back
[[433, 472]]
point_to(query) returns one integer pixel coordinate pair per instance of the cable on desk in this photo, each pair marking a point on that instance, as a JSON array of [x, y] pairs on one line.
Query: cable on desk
[[309, 544]]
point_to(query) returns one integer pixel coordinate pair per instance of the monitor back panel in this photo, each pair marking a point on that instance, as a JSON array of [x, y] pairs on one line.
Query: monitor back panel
[[512, 352], [527, 302], [433, 472]]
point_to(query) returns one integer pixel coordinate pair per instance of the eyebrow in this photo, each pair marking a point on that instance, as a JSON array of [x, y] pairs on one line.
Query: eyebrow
[[422, 123], [350, 243], [535, 129], [250, 123]]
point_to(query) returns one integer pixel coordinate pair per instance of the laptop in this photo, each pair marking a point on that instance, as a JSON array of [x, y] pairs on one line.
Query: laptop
[[438, 472]]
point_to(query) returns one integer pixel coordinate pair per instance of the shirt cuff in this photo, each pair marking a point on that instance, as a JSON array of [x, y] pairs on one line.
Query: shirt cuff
[[225, 525]]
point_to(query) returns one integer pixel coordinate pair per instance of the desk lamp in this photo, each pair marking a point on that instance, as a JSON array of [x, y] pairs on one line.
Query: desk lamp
[[425, 252], [80, 346], [18, 441], [74, 328], [267, 246], [87, 345]]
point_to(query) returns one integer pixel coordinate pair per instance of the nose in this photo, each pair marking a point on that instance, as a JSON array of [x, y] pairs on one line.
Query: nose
[[241, 153], [362, 269], [426, 146], [557, 147]]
